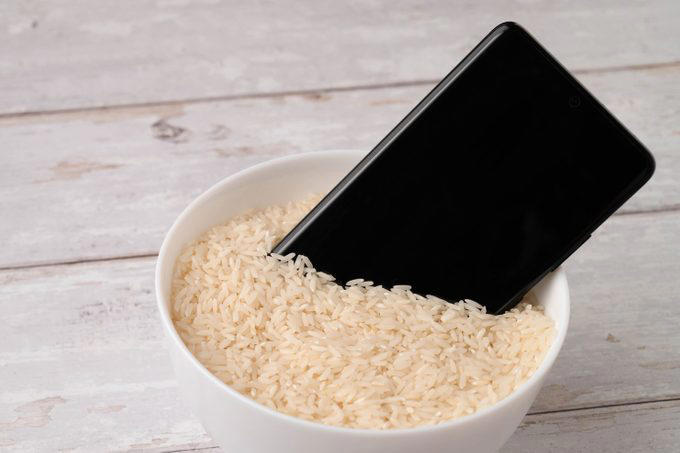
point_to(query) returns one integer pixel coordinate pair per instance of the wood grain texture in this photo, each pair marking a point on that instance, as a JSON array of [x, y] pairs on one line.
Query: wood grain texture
[[83, 342], [641, 428], [63, 54], [82, 363], [623, 344], [114, 116], [108, 183]]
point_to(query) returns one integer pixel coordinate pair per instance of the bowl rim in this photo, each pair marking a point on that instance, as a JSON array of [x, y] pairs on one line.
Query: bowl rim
[[164, 309]]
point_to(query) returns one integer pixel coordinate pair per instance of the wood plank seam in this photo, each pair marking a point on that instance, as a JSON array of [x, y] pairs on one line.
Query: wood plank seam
[[80, 261], [671, 208], [605, 406], [668, 208], [192, 449], [321, 90]]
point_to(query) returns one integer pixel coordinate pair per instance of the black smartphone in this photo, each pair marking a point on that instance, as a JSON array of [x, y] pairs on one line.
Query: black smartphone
[[496, 177]]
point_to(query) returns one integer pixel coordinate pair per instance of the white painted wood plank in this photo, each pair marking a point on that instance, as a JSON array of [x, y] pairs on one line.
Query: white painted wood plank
[[623, 344], [82, 363], [64, 54], [641, 428], [82, 342], [88, 185]]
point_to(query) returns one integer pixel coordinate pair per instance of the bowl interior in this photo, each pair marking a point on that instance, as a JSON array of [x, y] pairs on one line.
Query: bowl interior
[[292, 178]]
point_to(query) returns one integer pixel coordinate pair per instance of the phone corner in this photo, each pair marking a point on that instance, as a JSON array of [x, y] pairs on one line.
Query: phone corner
[[508, 25], [651, 165]]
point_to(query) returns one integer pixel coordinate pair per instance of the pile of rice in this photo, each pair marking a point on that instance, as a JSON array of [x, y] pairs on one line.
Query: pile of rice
[[363, 356]]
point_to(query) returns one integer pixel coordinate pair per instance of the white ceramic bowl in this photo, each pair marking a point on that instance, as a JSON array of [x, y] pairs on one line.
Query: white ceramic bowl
[[239, 424]]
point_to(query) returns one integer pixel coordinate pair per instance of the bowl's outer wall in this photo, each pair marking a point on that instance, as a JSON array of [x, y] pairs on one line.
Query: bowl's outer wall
[[239, 425]]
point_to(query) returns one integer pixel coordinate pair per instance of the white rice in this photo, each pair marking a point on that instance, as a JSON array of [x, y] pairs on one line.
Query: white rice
[[363, 356]]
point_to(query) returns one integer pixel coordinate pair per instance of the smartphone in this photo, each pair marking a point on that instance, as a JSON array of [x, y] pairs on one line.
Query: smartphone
[[501, 172]]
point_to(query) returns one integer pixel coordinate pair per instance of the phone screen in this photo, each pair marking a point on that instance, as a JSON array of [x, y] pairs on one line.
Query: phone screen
[[493, 180]]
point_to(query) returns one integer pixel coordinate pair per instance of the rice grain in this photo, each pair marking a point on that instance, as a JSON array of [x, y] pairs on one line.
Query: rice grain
[[362, 356]]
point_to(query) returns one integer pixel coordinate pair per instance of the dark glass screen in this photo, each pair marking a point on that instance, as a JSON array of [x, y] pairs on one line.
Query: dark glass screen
[[493, 183]]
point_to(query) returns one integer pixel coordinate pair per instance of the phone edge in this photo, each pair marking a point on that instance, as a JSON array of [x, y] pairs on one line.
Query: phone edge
[[393, 134]]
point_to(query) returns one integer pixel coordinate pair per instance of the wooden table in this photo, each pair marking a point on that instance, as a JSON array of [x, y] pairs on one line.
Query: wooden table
[[115, 115]]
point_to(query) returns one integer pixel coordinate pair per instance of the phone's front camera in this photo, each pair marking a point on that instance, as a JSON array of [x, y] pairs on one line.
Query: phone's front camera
[[574, 102]]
